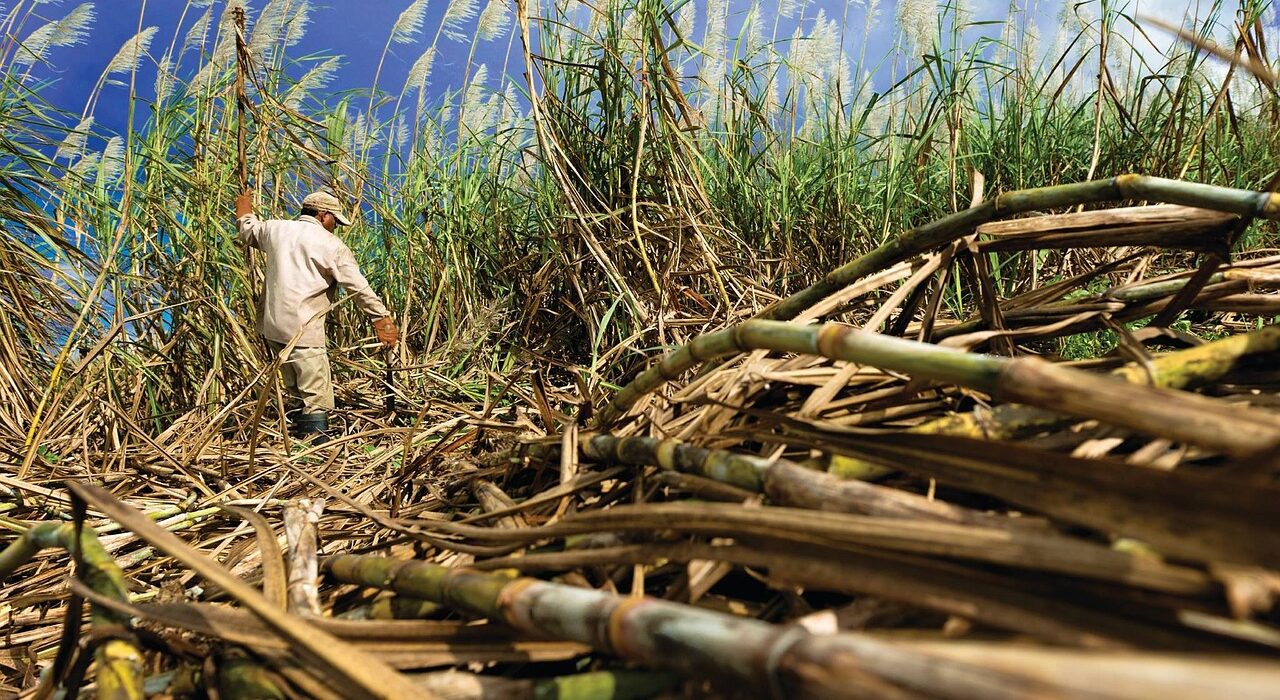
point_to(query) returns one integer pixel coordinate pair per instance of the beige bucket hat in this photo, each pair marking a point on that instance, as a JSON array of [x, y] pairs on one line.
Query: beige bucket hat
[[323, 201]]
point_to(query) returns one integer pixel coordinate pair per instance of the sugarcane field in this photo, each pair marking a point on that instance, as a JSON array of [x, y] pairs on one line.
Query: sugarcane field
[[639, 349]]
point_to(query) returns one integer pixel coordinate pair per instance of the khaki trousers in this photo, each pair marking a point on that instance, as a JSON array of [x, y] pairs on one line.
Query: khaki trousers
[[306, 376]]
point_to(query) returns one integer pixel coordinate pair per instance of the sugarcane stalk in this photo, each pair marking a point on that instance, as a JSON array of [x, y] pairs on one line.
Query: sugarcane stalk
[[1022, 547], [354, 668], [786, 661], [605, 685], [1167, 413], [241, 678], [392, 607], [1175, 370], [242, 161], [493, 499], [1043, 550], [785, 482], [119, 661], [401, 608], [300, 519], [594, 685], [950, 228], [1123, 307], [1156, 289], [653, 632], [389, 380]]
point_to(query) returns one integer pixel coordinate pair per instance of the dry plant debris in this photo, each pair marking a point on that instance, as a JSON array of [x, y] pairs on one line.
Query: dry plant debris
[[913, 502], [1026, 449]]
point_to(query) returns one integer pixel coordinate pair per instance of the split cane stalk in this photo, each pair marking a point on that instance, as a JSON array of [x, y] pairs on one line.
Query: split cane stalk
[[300, 519]]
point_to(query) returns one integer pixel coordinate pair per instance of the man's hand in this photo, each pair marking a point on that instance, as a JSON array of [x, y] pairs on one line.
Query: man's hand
[[385, 329], [244, 204]]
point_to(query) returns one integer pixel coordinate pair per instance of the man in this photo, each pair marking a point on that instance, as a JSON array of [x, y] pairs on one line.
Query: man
[[306, 264]]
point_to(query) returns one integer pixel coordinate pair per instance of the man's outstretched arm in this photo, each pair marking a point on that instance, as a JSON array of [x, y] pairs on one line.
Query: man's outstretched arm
[[347, 274]]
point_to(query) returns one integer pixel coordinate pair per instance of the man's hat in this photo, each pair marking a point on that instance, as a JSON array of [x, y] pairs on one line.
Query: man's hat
[[323, 201]]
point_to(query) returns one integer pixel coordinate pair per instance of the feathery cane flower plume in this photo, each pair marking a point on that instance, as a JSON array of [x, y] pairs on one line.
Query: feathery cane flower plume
[[430, 141], [872, 15], [219, 61], [877, 121], [840, 88], [509, 116], [445, 115], [915, 20], [826, 44], [112, 163], [790, 8], [1062, 37], [223, 56], [799, 63], [459, 12], [1006, 44], [358, 131], [633, 33], [475, 108], [266, 29], [75, 140], [686, 20], [196, 33], [420, 73], [229, 12], [409, 23], [813, 58], [313, 80], [127, 58], [754, 27], [86, 166], [281, 23], [771, 93], [164, 79], [68, 31], [295, 27], [1030, 44], [493, 21], [714, 41], [400, 133]]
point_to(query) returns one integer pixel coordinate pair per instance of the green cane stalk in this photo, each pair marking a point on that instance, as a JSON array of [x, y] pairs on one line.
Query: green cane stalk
[[120, 673], [1167, 413]]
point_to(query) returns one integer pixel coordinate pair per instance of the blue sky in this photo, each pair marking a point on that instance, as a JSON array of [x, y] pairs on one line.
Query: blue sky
[[355, 29], [358, 31]]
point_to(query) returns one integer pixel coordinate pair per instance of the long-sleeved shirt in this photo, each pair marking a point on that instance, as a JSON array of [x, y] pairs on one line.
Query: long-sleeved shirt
[[305, 266]]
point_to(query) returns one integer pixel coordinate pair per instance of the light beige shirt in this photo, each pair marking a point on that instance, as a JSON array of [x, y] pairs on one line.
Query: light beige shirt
[[305, 266]]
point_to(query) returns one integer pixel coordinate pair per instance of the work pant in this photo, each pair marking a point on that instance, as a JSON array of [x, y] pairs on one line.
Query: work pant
[[306, 376]]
